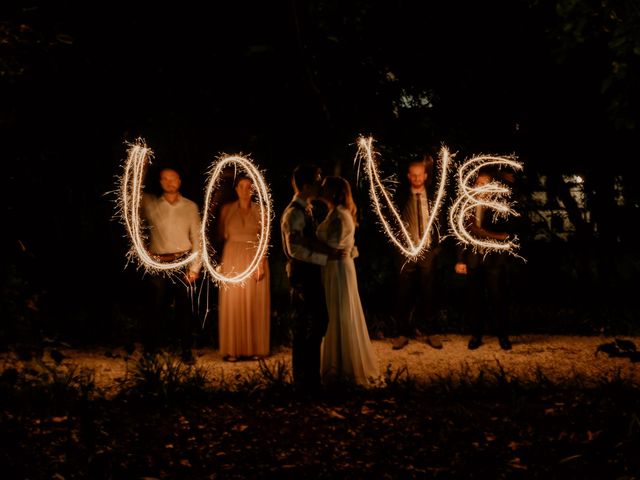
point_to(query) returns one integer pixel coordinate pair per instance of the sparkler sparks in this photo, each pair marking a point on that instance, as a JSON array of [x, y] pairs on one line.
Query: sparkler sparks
[[139, 155], [264, 204], [381, 199], [131, 193], [491, 196]]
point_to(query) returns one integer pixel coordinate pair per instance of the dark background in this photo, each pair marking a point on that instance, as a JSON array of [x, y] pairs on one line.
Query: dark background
[[555, 83]]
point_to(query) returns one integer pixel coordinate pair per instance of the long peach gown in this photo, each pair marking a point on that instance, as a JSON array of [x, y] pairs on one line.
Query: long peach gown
[[243, 310], [346, 349]]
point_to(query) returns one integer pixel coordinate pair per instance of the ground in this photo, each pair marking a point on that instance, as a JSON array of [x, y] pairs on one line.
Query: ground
[[550, 408], [557, 357]]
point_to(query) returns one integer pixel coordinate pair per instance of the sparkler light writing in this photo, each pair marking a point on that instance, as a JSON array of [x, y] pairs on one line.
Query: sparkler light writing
[[131, 193], [491, 196], [264, 204], [139, 155], [381, 199]]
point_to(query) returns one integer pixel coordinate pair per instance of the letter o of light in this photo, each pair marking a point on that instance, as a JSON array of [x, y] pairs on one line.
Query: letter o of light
[[264, 203]]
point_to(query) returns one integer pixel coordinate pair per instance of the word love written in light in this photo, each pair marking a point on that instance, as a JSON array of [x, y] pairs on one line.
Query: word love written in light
[[491, 196], [130, 198]]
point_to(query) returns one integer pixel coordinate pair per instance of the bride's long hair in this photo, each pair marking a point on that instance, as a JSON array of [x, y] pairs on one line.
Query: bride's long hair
[[339, 191]]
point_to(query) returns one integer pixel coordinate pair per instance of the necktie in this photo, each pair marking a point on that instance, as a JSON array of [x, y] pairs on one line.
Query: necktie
[[419, 213], [479, 215]]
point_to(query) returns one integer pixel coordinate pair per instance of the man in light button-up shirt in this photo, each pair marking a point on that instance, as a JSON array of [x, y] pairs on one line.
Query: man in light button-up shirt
[[174, 231]]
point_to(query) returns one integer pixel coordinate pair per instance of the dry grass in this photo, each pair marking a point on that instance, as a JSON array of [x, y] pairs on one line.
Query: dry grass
[[553, 358]]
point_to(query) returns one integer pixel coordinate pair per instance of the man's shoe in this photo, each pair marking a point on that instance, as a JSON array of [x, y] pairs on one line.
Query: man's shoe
[[399, 343], [474, 343], [434, 342], [505, 343]]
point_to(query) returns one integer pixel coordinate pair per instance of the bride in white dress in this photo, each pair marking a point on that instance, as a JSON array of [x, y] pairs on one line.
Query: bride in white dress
[[347, 353]]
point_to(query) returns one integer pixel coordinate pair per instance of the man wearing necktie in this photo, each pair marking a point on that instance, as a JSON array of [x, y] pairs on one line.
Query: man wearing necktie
[[416, 304]]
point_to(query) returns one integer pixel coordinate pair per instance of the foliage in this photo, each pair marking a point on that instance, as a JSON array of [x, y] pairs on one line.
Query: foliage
[[452, 428], [40, 383], [610, 29], [23, 299], [163, 377], [23, 45]]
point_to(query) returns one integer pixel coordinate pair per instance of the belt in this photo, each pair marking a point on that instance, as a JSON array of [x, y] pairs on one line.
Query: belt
[[169, 257]]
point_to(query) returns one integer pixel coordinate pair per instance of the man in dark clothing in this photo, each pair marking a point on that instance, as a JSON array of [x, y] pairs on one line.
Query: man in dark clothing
[[487, 302], [305, 255], [416, 283]]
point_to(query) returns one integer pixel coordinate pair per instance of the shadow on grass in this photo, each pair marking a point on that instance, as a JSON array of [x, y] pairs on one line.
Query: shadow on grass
[[173, 420]]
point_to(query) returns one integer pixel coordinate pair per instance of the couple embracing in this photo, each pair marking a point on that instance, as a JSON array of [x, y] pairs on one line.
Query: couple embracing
[[330, 337]]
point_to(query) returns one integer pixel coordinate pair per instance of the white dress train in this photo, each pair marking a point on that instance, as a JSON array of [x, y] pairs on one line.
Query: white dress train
[[346, 349]]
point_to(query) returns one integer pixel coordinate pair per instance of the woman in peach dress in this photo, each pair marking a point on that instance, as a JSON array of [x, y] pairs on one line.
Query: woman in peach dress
[[243, 309]]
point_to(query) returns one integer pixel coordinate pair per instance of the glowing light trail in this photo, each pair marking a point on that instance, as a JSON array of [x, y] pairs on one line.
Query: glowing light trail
[[381, 199], [491, 196], [130, 199], [264, 203], [139, 155]]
